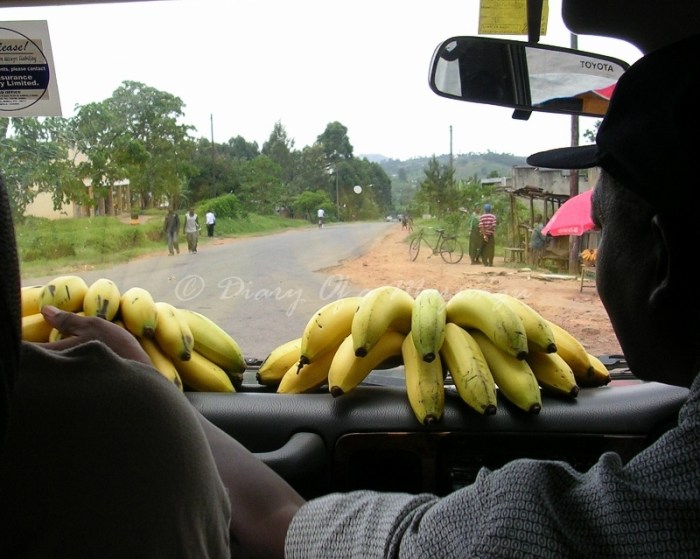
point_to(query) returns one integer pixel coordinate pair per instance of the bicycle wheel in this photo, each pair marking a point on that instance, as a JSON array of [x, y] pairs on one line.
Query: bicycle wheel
[[414, 248], [451, 250]]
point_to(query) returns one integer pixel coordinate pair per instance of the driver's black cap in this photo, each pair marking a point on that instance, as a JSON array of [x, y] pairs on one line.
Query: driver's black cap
[[648, 140]]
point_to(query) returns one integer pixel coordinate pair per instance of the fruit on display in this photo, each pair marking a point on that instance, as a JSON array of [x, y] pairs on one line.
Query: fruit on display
[[425, 386], [428, 320], [186, 347], [102, 299], [491, 346], [138, 311], [479, 310], [378, 310], [470, 372], [64, 292], [329, 326]]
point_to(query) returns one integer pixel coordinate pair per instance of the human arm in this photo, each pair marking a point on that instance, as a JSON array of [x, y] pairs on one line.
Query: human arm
[[263, 503]]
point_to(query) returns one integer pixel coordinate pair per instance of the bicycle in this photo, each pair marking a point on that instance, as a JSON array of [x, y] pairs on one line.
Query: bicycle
[[447, 246]]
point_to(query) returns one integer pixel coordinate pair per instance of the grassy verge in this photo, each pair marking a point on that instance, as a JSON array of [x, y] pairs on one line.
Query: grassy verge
[[48, 247]]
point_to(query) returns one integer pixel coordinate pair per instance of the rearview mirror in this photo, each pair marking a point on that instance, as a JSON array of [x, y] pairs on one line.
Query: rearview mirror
[[524, 76]]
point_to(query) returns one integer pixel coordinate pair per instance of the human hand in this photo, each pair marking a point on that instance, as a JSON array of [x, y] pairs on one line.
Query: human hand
[[80, 329]]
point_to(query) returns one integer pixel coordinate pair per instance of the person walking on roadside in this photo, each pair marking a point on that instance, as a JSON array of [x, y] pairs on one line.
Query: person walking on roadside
[[191, 230], [487, 230], [321, 216], [171, 227], [210, 220]]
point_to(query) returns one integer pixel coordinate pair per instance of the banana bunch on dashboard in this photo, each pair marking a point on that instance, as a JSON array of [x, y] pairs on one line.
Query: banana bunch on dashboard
[[487, 342], [185, 346]]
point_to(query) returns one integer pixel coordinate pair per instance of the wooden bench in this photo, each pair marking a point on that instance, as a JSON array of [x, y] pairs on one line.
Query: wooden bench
[[512, 254]]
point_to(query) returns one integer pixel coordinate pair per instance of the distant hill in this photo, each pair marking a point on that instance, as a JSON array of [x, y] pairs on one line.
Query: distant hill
[[466, 165]]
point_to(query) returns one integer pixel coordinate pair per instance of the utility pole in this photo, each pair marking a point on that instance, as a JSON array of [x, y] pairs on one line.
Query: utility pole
[[213, 153], [575, 242], [451, 160]]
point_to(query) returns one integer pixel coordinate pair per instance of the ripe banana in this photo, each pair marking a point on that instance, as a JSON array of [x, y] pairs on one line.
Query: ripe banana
[[425, 386], [553, 373], [217, 345], [102, 299], [573, 352], [308, 377], [202, 375], [327, 328], [479, 309], [600, 375], [539, 335], [513, 376], [172, 332], [138, 311], [470, 372], [35, 328], [380, 308], [161, 362], [428, 320], [64, 292], [29, 296], [347, 370], [277, 363]]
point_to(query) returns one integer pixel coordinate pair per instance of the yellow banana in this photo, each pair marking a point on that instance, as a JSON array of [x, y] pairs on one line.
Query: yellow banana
[[539, 335], [102, 299], [35, 328], [161, 362], [64, 292], [138, 311], [573, 352], [200, 374], [425, 386], [479, 309], [172, 332], [380, 308], [470, 372], [217, 345], [513, 376], [277, 363], [600, 375], [29, 296], [553, 373], [308, 377], [428, 323], [347, 370], [327, 328]]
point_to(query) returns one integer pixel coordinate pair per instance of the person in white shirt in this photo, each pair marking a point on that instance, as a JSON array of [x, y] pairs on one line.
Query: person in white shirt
[[210, 219], [321, 216]]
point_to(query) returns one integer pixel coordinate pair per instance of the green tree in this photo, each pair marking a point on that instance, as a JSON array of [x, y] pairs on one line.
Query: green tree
[[279, 148], [34, 157], [261, 185]]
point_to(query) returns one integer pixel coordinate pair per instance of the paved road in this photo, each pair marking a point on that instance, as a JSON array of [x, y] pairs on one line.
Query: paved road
[[261, 290]]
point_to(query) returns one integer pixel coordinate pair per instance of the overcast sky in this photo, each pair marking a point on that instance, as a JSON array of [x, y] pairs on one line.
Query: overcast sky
[[246, 64]]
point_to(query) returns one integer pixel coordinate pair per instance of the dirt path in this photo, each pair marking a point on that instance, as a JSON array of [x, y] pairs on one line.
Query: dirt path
[[558, 299]]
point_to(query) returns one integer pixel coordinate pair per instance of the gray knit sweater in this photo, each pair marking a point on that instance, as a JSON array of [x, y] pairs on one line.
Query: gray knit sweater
[[649, 507]]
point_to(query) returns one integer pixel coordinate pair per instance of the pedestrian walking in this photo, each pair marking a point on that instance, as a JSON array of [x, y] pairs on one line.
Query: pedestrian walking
[[210, 220], [171, 227], [191, 230]]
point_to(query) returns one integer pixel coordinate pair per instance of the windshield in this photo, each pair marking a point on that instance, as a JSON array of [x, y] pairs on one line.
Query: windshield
[[253, 161]]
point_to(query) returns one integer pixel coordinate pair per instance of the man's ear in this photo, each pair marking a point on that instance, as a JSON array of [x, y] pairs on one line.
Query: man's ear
[[667, 256]]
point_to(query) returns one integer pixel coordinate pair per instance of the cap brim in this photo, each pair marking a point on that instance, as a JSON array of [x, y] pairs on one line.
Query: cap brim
[[579, 157]]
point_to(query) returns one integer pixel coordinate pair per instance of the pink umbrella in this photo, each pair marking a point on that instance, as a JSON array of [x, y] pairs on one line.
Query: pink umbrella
[[572, 218]]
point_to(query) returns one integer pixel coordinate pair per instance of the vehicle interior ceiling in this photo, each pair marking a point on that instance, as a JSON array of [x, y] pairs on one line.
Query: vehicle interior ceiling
[[369, 438]]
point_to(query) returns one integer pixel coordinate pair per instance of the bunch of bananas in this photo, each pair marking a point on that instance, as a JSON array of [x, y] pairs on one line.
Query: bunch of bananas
[[485, 341], [186, 347], [588, 255]]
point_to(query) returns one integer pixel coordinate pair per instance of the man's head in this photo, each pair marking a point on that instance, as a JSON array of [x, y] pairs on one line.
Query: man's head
[[646, 202], [487, 208]]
